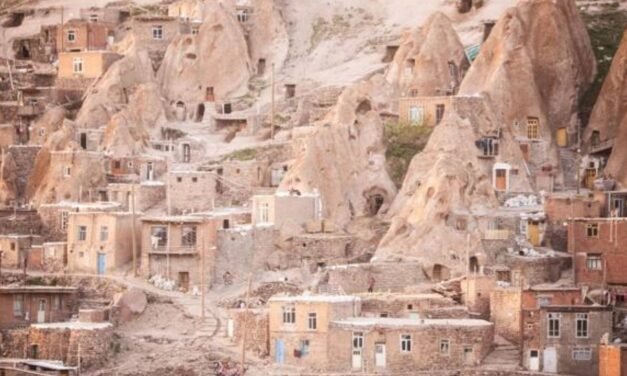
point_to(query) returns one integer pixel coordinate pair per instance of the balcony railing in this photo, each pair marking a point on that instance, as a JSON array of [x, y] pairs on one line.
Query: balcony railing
[[180, 250]]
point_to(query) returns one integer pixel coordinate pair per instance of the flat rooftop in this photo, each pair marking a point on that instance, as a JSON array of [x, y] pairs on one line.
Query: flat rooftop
[[38, 289], [316, 299], [393, 323], [74, 325]]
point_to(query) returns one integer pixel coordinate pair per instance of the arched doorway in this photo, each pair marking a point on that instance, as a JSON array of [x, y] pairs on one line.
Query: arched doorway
[[473, 264]]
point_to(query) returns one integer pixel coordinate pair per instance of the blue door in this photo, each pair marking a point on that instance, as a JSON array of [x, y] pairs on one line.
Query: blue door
[[102, 257], [279, 351]]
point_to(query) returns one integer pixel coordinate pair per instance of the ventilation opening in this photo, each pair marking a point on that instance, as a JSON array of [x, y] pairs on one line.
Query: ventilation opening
[[226, 224], [190, 55], [209, 95], [84, 141], [473, 264], [290, 91], [23, 52]]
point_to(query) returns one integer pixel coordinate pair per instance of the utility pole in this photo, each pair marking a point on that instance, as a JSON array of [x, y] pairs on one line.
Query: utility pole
[[78, 358], [202, 277], [1, 253], [133, 233], [578, 167], [246, 318], [272, 106], [61, 30]]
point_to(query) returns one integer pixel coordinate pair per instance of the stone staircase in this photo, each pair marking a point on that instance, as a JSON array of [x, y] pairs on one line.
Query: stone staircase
[[505, 355], [568, 162]]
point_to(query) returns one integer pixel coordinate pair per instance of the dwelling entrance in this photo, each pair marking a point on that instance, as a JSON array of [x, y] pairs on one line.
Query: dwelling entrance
[[534, 360], [41, 311], [379, 355], [501, 180], [562, 137], [550, 360], [184, 281]]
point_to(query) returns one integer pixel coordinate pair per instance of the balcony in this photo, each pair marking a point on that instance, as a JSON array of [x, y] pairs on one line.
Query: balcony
[[180, 250], [29, 110]]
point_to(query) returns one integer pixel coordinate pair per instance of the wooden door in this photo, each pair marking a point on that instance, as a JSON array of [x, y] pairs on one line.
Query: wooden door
[[562, 137], [184, 280], [501, 180], [533, 233], [591, 174]]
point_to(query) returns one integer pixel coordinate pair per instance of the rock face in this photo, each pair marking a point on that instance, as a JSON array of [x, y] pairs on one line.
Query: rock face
[[268, 39], [430, 60], [527, 69], [344, 158], [609, 117], [216, 59], [112, 91]]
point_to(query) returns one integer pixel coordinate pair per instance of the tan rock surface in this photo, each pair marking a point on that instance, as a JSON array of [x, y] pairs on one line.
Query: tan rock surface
[[216, 57], [344, 158], [429, 48]]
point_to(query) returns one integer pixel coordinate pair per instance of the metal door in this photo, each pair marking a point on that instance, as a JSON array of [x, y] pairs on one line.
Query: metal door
[[356, 359], [534, 360], [379, 355], [550, 360], [279, 351], [501, 180], [41, 311], [533, 233], [102, 263]]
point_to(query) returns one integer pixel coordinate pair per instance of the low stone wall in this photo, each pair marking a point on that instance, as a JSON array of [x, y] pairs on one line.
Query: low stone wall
[[394, 277]]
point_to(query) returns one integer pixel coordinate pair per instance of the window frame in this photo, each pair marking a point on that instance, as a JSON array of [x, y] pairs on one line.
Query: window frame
[[157, 32], [288, 314], [592, 230], [594, 262], [533, 128], [78, 65], [405, 343], [312, 321], [71, 36], [357, 340], [553, 317], [104, 233], [583, 319], [189, 235], [582, 350], [81, 235], [18, 305], [445, 344]]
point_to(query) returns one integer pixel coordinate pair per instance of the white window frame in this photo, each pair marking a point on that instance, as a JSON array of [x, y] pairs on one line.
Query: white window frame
[[594, 262], [104, 233], [157, 32], [289, 315], [584, 332], [71, 36], [67, 171], [64, 219], [81, 234], [553, 332], [358, 340], [405, 341], [445, 346], [582, 353], [18, 305], [77, 65], [416, 115], [312, 321]]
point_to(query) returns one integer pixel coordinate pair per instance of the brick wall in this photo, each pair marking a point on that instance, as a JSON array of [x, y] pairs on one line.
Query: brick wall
[[505, 313]]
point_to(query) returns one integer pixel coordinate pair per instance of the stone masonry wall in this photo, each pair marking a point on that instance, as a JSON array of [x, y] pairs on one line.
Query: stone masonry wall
[[388, 276]]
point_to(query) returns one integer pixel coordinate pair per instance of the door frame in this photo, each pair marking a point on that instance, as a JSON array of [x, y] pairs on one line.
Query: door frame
[[377, 346]]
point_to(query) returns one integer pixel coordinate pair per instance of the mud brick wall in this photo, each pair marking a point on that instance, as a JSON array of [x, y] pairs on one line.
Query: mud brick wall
[[327, 248], [256, 324], [388, 276], [505, 313]]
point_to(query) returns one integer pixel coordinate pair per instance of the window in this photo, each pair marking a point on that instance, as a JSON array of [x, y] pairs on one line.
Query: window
[[71, 36], [117, 165], [93, 18], [130, 164], [104, 233], [194, 30], [179, 179], [594, 262], [77, 65], [188, 235], [439, 113], [544, 301], [582, 353], [82, 233], [264, 209], [313, 321], [416, 115], [533, 128], [194, 180], [304, 347], [56, 302], [405, 343], [592, 230], [64, 219], [12, 246], [242, 15], [582, 325], [42, 131], [18, 305], [358, 340], [157, 32], [66, 171], [158, 236], [554, 325], [289, 315], [445, 345]]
